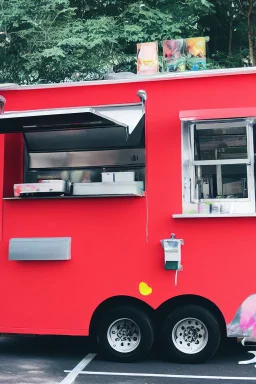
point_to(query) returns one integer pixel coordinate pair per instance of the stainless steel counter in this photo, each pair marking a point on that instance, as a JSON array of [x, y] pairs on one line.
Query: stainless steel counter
[[71, 197], [116, 188]]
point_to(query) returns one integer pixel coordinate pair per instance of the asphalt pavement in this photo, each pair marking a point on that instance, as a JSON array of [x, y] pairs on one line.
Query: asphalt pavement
[[73, 360]]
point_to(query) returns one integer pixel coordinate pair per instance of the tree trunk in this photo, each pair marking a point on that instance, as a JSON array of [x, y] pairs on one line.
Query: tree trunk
[[230, 38], [250, 34]]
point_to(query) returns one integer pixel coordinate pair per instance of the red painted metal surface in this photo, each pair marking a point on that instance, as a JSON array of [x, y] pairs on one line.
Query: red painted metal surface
[[110, 251]]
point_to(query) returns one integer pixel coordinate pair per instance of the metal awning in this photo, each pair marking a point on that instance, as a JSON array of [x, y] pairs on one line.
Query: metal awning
[[70, 129], [213, 114]]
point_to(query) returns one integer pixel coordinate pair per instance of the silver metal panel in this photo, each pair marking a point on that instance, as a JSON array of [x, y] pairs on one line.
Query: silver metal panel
[[219, 162], [80, 128], [126, 115], [212, 124], [45, 248], [71, 197], [250, 168], [54, 112], [129, 115], [187, 169], [114, 188], [125, 157], [76, 139], [52, 120]]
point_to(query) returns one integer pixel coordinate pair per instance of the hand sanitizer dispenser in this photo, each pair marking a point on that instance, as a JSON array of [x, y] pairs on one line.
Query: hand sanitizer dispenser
[[172, 253]]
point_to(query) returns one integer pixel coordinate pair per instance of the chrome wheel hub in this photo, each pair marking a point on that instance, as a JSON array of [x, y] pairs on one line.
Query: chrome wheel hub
[[190, 335], [124, 335]]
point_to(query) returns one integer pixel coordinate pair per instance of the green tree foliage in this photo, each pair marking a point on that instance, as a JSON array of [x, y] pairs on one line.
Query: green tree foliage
[[70, 40]]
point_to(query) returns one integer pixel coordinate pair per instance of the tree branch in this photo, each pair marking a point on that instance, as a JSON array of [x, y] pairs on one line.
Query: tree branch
[[250, 34], [241, 6]]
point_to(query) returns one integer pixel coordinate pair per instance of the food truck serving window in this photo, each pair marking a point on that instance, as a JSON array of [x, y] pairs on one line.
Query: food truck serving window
[[218, 166], [93, 150]]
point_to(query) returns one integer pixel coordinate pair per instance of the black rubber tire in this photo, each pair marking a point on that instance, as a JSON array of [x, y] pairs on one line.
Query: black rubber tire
[[214, 334], [146, 328]]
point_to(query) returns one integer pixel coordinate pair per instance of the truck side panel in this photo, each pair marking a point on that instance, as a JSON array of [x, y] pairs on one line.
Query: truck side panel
[[111, 254]]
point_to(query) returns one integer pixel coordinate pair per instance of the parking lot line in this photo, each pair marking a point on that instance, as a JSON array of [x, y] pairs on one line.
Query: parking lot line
[[72, 375], [164, 376]]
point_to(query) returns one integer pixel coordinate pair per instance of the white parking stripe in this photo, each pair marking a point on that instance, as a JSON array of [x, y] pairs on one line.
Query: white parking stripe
[[165, 376], [253, 360], [78, 368]]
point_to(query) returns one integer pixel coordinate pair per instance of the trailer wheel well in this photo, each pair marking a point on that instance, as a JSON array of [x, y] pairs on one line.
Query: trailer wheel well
[[160, 313], [164, 309], [115, 302]]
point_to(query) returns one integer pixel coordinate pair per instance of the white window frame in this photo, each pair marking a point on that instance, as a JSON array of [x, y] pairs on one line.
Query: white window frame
[[189, 164]]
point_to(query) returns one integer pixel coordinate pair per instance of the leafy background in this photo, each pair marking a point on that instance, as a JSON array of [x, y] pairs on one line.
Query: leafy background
[[47, 41]]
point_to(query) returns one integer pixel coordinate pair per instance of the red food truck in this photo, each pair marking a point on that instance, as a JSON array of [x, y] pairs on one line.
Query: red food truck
[[127, 211]]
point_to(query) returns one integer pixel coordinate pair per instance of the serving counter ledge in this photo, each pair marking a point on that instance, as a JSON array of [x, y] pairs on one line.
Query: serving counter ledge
[[69, 197], [209, 216]]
